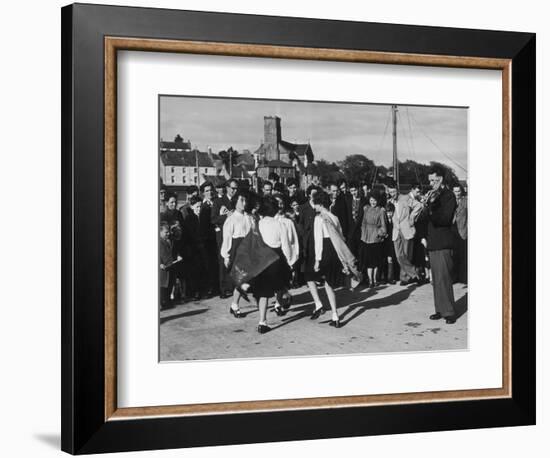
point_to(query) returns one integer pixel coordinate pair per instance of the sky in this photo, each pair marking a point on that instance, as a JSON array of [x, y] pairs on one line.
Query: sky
[[334, 130]]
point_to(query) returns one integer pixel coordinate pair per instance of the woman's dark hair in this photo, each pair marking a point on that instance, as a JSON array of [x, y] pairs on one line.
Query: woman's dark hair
[[374, 195], [235, 198], [268, 206], [321, 198], [283, 199], [311, 188], [354, 184]]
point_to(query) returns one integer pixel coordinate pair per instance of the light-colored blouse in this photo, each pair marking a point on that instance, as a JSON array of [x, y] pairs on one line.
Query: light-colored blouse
[[274, 234], [373, 227], [237, 225], [320, 232], [292, 236]]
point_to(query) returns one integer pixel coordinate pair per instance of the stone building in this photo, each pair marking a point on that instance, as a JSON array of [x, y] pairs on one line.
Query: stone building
[[284, 158]]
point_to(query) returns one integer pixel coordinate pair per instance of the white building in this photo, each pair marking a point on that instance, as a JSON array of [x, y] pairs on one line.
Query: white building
[[181, 165]]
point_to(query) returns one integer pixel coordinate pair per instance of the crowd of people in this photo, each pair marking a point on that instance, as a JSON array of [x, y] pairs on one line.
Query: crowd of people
[[227, 240]]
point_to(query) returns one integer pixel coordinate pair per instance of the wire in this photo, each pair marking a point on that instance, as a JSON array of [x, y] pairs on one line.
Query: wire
[[412, 145], [433, 143], [380, 145]]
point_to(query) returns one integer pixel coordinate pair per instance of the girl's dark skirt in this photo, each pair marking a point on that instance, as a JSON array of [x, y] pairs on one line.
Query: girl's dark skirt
[[232, 253], [330, 267], [371, 255], [274, 278]]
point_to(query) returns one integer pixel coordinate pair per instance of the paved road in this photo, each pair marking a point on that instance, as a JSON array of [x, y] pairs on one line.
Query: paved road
[[389, 318]]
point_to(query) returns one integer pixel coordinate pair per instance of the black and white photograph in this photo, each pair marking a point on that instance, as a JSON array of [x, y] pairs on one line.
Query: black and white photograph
[[306, 228]]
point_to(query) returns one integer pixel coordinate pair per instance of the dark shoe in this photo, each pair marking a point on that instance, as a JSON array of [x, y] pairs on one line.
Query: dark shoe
[[236, 313], [224, 295], [317, 313], [335, 323], [263, 328], [279, 311], [436, 316], [391, 282], [450, 319], [197, 297]]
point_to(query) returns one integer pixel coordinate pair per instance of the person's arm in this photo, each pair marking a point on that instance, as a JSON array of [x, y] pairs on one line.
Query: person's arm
[[338, 226], [286, 246], [415, 211], [318, 238], [383, 228], [227, 239], [216, 218]]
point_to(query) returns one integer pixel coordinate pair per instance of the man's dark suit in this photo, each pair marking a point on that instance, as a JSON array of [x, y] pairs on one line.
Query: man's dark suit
[[340, 209], [208, 235], [354, 230], [218, 220], [440, 247]]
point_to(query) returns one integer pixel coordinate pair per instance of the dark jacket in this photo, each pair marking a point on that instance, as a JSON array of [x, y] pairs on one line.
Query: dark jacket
[[340, 209], [354, 225], [215, 217], [206, 227], [461, 218], [440, 221]]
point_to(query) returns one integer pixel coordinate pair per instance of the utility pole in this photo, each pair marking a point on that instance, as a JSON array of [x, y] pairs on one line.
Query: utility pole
[[197, 166], [394, 132]]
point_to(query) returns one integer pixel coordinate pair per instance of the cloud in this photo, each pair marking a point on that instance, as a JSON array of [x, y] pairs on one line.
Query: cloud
[[333, 129]]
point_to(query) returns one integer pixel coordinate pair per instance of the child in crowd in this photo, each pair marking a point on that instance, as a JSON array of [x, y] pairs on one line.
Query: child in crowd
[[166, 259], [390, 273]]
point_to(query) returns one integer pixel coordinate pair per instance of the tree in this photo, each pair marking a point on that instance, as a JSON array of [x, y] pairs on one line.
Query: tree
[[225, 155], [450, 177], [327, 171], [357, 167], [411, 172]]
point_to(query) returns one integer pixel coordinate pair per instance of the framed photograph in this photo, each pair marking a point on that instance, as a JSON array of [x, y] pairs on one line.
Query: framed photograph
[[283, 228]]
